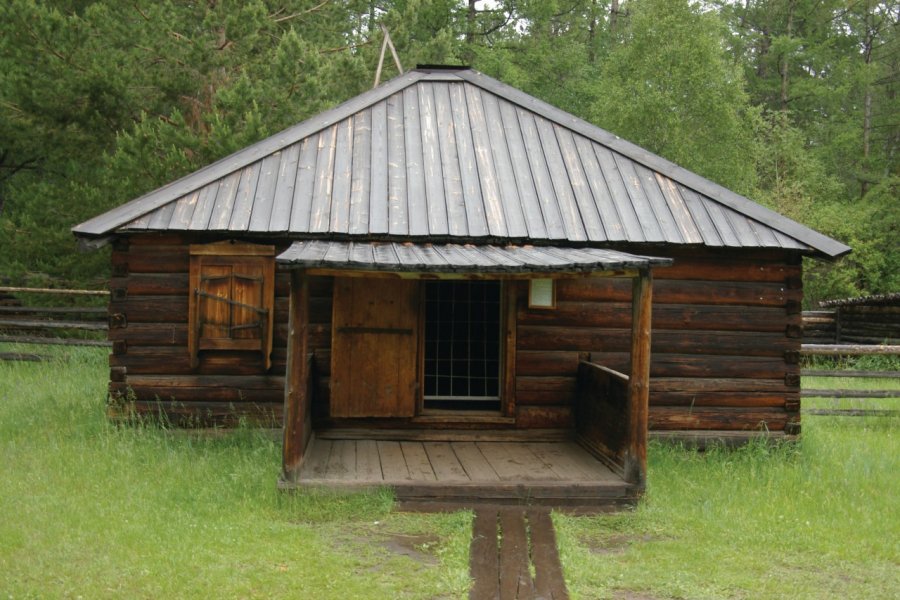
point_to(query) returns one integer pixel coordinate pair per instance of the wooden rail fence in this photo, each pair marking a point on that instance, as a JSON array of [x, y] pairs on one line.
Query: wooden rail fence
[[33, 324], [838, 350]]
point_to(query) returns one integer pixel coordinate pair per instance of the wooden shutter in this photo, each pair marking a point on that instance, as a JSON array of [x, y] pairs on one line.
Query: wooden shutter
[[232, 288]]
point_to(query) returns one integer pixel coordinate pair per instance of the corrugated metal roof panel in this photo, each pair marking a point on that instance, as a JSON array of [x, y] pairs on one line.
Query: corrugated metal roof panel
[[458, 258], [459, 156]]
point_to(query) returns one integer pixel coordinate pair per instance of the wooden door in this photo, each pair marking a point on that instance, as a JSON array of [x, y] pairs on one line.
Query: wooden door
[[374, 348]]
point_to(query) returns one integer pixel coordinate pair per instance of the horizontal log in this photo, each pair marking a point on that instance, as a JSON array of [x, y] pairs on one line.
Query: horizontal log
[[55, 310], [686, 399], [222, 363], [535, 363], [665, 418], [850, 373], [202, 414], [150, 309], [665, 316], [721, 384], [47, 324], [678, 292], [859, 339], [711, 269], [245, 382], [588, 339], [152, 259], [847, 349], [53, 341], [813, 393], [852, 412], [55, 291], [190, 396], [737, 399], [544, 417]]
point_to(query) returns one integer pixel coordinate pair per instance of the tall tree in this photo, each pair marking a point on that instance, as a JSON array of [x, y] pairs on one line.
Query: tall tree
[[671, 87]]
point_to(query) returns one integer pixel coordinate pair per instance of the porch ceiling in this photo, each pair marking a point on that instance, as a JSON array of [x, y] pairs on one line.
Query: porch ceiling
[[459, 258]]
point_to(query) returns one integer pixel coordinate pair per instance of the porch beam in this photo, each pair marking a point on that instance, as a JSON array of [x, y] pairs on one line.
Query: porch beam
[[635, 459], [297, 401]]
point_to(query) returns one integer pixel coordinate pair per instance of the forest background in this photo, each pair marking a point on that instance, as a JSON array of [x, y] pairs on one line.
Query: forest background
[[792, 103]]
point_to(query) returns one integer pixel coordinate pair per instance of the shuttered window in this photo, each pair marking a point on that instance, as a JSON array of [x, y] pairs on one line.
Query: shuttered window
[[232, 288]]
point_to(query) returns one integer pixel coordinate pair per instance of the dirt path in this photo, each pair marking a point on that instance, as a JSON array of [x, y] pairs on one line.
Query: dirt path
[[508, 545]]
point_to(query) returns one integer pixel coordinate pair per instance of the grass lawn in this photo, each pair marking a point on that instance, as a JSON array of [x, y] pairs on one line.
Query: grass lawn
[[91, 510]]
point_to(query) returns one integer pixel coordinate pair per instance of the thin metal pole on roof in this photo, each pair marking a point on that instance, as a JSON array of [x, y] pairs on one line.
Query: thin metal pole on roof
[[387, 43]]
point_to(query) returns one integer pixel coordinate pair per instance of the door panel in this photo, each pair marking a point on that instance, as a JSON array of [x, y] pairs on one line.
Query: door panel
[[374, 348]]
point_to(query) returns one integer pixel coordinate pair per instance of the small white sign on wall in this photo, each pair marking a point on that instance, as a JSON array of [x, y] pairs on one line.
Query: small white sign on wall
[[541, 293]]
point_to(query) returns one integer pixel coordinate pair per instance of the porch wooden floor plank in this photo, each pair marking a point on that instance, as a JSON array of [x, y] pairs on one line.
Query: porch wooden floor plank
[[595, 468], [393, 464], [467, 473], [316, 466], [368, 463], [474, 462], [560, 460], [342, 462], [444, 462], [513, 462], [417, 462]]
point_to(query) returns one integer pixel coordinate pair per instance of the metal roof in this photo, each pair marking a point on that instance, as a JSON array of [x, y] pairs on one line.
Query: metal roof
[[409, 257], [457, 156]]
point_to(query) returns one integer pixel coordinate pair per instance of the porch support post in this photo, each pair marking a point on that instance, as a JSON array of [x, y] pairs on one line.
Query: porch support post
[[638, 384], [297, 403]]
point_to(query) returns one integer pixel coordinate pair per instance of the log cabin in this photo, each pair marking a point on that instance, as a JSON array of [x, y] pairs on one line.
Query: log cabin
[[445, 285]]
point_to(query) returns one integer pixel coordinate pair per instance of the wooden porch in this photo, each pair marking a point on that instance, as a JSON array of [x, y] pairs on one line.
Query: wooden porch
[[428, 469]]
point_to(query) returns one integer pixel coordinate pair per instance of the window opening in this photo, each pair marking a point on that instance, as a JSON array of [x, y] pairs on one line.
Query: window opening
[[462, 345]]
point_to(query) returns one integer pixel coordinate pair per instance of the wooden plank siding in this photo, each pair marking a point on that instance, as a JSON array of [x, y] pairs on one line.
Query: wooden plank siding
[[726, 329]]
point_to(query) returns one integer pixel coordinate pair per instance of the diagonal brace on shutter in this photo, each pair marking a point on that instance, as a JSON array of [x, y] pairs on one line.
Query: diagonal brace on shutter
[[258, 310]]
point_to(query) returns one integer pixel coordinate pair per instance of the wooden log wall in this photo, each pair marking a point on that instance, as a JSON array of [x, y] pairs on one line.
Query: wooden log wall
[[725, 343], [150, 362], [863, 324]]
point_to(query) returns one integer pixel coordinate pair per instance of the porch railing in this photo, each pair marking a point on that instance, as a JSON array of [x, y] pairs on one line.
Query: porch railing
[[601, 414]]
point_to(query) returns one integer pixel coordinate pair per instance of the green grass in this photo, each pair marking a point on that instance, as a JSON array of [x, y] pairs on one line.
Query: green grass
[[93, 510], [816, 519]]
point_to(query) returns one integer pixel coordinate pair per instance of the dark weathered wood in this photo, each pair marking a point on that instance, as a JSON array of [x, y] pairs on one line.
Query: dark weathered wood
[[851, 412], [811, 393], [484, 566], [635, 454], [549, 582], [847, 350], [27, 339], [515, 578], [849, 373], [297, 397], [54, 310], [602, 411], [48, 324], [58, 291]]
